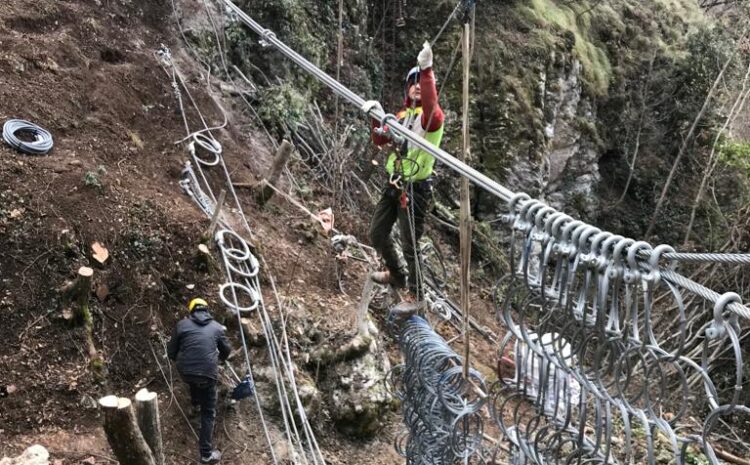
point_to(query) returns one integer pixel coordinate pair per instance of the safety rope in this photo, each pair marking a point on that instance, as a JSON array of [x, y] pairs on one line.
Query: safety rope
[[479, 179], [240, 264]]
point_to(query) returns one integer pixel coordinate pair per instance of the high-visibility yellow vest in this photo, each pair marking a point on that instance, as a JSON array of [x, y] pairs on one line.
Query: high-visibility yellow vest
[[417, 165]]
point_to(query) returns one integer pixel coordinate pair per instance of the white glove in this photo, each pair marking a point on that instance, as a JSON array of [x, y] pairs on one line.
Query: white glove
[[370, 105], [425, 56]]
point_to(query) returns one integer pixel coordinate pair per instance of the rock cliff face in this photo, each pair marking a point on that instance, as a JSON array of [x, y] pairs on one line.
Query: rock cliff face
[[564, 169], [570, 156]]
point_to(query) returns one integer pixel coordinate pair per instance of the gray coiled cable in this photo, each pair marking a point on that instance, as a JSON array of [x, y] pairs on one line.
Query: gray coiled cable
[[41, 145]]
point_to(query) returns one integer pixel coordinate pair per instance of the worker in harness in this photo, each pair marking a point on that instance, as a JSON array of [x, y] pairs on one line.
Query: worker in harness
[[408, 195], [198, 345]]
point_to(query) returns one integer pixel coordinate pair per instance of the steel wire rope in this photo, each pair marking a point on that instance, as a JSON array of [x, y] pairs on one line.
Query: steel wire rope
[[613, 302], [275, 354], [42, 143], [595, 315], [196, 135], [291, 430], [270, 38], [301, 411], [308, 430], [248, 364], [463, 169], [222, 55], [216, 146]]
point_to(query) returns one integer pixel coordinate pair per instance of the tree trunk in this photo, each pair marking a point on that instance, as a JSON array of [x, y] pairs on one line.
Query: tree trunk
[[122, 432], [147, 414], [265, 192]]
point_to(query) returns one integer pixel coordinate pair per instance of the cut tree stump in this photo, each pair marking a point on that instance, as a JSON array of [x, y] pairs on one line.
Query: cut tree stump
[[264, 192], [74, 299], [76, 294], [204, 261], [147, 415], [122, 432]]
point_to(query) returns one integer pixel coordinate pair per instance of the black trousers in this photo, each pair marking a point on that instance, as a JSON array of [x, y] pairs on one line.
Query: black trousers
[[387, 212], [203, 394]]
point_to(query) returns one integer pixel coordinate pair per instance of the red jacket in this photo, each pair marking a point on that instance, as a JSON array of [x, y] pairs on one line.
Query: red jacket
[[431, 111]]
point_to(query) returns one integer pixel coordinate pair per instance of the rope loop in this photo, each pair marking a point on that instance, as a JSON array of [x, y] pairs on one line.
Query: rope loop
[[41, 145], [718, 327], [234, 304]]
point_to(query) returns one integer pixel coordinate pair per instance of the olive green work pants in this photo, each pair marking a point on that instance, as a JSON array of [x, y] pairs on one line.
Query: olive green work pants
[[389, 210]]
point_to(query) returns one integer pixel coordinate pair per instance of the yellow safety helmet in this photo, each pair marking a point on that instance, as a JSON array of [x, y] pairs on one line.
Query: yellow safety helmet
[[197, 303]]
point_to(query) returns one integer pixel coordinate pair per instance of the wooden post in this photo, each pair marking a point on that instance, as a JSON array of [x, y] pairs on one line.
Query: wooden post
[[217, 213], [147, 414], [363, 328], [283, 153], [122, 432], [465, 214]]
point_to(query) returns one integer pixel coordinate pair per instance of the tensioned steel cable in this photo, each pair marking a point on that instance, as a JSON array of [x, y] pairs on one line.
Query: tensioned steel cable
[[268, 37], [579, 307], [241, 268]]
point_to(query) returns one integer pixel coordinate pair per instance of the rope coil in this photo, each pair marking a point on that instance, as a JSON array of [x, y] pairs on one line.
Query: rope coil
[[41, 145], [442, 411]]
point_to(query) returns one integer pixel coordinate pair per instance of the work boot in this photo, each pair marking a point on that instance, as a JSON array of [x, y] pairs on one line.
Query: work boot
[[213, 457], [386, 277]]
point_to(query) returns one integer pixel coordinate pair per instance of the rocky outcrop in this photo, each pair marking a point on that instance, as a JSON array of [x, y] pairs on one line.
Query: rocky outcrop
[[356, 394], [570, 158], [34, 455]]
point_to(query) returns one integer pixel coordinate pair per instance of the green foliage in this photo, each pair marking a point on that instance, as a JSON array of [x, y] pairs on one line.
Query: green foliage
[[142, 245], [695, 457], [282, 106], [304, 25], [91, 178], [561, 17], [736, 155]]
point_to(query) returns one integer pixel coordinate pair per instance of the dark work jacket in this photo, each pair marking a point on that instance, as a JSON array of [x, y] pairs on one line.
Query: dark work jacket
[[198, 344]]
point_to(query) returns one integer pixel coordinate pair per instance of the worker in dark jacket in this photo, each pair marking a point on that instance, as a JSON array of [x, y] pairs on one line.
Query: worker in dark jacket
[[198, 345]]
